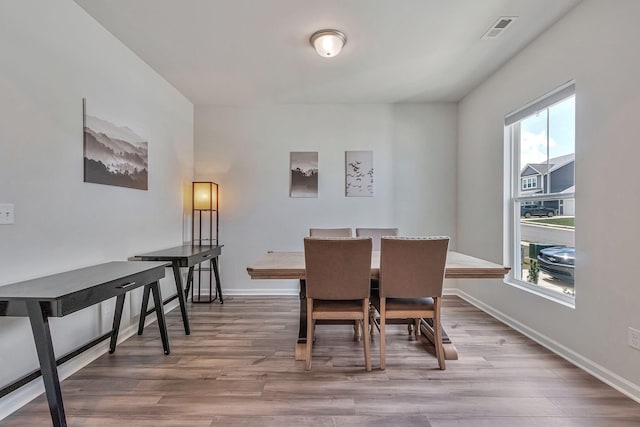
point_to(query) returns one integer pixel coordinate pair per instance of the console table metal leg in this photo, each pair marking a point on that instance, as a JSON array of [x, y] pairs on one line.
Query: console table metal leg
[[162, 324], [143, 310], [117, 316], [214, 265], [181, 298], [189, 283], [44, 347]]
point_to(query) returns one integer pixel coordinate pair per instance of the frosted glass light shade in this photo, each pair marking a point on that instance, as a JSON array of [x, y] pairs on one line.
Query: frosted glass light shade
[[328, 43], [204, 195]]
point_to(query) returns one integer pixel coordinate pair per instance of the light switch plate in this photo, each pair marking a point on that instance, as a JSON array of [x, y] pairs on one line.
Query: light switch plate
[[6, 213], [634, 338]]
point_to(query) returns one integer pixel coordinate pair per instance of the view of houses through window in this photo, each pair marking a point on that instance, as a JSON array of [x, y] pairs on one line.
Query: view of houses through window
[[543, 194]]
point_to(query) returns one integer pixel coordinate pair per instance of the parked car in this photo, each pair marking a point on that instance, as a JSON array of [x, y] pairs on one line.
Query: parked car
[[528, 211], [558, 262]]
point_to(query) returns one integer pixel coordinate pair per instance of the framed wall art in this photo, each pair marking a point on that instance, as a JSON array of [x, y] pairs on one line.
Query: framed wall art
[[304, 174], [113, 154], [359, 173]]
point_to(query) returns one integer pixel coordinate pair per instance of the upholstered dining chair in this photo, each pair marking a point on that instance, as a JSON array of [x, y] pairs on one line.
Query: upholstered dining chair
[[411, 279], [330, 232], [376, 234], [337, 281], [337, 232]]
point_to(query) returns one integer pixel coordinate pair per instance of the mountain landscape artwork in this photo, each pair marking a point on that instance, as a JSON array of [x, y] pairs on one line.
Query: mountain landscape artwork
[[304, 174], [114, 155], [359, 173]]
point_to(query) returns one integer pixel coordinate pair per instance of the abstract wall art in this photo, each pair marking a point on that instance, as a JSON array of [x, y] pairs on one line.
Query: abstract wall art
[[359, 173]]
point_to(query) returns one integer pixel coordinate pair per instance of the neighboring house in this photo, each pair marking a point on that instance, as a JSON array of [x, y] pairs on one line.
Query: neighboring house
[[557, 175]]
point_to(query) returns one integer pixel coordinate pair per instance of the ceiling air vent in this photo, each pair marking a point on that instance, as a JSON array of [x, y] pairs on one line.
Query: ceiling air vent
[[500, 25]]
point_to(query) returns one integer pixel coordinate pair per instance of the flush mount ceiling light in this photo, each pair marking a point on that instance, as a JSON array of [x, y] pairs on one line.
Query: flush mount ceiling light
[[328, 43]]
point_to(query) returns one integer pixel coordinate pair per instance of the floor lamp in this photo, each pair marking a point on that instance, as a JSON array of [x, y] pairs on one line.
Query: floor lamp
[[204, 204]]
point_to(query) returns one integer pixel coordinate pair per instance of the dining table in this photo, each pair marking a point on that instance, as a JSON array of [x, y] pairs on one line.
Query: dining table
[[291, 265]]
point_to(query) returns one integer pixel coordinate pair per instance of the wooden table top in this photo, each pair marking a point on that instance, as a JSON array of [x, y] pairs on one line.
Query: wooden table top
[[59, 285], [64, 293], [184, 251], [290, 265]]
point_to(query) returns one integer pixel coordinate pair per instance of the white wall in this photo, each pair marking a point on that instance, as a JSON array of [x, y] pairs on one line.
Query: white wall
[[597, 45], [53, 55], [246, 150]]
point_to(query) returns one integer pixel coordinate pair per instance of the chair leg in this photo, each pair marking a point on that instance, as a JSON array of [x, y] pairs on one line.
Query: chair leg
[[437, 329], [372, 321], [417, 328], [365, 333], [383, 320], [356, 330], [309, 333]]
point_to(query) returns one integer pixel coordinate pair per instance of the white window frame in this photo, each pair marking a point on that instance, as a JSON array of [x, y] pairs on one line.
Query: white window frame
[[530, 182], [512, 200]]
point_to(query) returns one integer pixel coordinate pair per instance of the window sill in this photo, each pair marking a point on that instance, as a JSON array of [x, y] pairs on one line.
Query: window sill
[[551, 295]]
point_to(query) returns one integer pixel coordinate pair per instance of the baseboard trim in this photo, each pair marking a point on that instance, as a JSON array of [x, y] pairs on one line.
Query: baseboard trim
[[603, 374], [262, 293], [25, 394]]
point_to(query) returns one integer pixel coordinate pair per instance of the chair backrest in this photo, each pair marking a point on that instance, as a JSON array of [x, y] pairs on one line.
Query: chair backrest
[[337, 268], [412, 267], [376, 234], [330, 232]]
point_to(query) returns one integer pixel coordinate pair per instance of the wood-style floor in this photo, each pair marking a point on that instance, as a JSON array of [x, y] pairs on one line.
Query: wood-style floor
[[237, 369]]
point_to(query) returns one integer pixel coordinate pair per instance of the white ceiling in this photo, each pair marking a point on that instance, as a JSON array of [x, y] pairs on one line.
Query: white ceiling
[[258, 51]]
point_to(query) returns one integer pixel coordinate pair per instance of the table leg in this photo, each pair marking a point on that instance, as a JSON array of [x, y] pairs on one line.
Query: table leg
[[189, 283], [214, 266], [44, 347], [301, 345], [183, 308], [143, 310], [162, 324], [450, 351], [117, 316]]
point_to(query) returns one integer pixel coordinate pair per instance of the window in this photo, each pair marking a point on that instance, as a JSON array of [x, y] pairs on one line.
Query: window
[[530, 182], [541, 195]]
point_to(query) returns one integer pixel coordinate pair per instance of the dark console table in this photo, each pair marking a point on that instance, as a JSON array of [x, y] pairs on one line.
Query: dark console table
[[65, 293], [182, 256]]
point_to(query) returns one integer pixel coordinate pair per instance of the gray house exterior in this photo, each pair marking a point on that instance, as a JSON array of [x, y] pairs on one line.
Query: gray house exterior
[[557, 175]]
